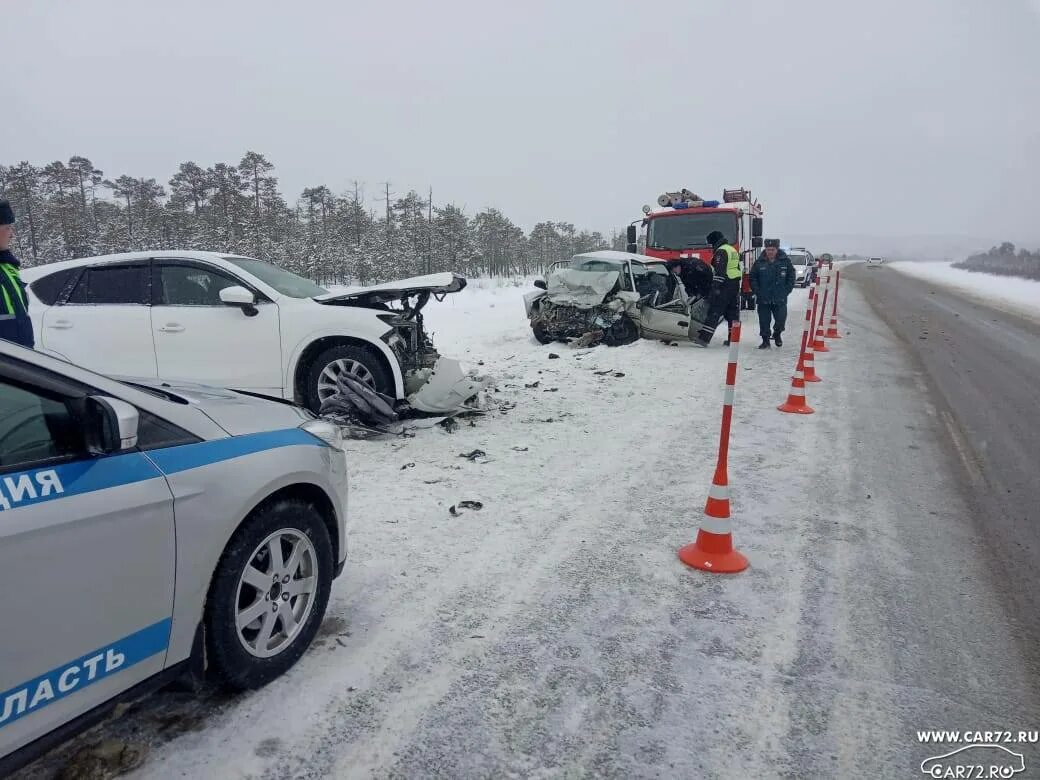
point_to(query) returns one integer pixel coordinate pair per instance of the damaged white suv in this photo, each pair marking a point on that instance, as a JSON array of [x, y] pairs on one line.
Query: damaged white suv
[[245, 324]]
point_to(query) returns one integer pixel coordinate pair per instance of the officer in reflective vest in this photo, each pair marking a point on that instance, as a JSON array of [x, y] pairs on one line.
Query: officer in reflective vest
[[725, 294], [15, 324]]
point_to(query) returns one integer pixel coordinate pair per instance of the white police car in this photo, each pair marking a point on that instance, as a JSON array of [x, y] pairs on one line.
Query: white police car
[[151, 531]]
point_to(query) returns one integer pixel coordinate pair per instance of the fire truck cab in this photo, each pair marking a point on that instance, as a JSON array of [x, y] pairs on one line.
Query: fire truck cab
[[679, 229]]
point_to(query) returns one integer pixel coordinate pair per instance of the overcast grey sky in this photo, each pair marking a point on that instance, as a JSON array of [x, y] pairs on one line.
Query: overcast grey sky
[[888, 116]]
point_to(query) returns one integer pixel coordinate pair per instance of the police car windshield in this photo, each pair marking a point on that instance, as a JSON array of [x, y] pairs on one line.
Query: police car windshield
[[799, 259], [690, 231], [285, 282]]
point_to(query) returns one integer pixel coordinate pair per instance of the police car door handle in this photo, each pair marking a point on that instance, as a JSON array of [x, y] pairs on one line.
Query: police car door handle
[[60, 325], [171, 327]]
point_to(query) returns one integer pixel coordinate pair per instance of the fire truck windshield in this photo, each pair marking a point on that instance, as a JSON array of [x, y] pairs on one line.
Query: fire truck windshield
[[690, 231]]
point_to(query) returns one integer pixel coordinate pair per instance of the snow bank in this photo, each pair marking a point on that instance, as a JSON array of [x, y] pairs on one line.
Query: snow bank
[[1006, 292]]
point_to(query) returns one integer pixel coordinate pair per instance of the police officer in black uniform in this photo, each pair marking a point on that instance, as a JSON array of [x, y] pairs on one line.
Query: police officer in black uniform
[[15, 324]]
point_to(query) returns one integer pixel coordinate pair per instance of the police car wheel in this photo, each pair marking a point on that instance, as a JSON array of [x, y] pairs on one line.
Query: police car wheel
[[269, 594], [359, 362]]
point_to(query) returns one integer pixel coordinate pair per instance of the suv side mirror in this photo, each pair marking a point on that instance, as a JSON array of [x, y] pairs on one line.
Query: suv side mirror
[[756, 227], [632, 237], [540, 284], [241, 297], [111, 425]]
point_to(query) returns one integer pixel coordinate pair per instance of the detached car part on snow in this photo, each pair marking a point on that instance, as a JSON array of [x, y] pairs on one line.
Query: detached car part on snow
[[614, 298]]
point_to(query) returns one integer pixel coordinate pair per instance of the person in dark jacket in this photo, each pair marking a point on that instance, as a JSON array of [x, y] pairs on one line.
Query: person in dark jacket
[[696, 277], [725, 292], [15, 324], [772, 279]]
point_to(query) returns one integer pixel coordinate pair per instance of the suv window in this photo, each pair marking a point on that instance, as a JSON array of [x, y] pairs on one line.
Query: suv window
[[36, 428], [112, 284], [188, 285], [49, 288]]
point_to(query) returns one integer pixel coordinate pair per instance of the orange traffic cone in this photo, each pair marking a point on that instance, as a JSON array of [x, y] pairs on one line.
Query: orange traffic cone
[[809, 367], [818, 343], [795, 403], [713, 549], [832, 331]]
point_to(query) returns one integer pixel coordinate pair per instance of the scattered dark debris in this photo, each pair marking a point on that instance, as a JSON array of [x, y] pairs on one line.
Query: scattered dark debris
[[475, 505], [472, 456], [450, 425], [553, 356], [533, 384], [619, 374], [177, 723], [520, 449], [551, 390], [477, 636], [432, 481], [480, 362], [603, 373], [105, 759], [269, 748], [407, 466]]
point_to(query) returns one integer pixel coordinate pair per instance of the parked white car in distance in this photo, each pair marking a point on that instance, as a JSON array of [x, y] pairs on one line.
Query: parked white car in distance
[[230, 321]]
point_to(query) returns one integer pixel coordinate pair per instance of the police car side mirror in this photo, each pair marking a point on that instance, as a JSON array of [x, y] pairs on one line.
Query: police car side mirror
[[111, 425], [241, 297]]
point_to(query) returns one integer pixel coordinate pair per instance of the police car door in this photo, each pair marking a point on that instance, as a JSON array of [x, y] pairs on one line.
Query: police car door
[[86, 560]]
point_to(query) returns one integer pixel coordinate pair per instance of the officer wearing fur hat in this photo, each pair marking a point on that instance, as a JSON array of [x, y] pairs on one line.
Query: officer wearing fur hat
[[772, 279], [15, 324]]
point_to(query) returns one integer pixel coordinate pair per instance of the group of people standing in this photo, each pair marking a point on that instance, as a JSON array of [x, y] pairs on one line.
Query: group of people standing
[[772, 278]]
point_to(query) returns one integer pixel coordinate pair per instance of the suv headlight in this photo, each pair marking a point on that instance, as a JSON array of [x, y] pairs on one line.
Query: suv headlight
[[329, 433]]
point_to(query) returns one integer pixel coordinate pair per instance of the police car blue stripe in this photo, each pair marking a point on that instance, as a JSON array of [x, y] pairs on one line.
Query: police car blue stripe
[[34, 695], [37, 486], [191, 456]]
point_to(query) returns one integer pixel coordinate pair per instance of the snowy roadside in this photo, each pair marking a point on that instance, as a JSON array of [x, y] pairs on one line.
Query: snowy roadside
[[1021, 296], [599, 473]]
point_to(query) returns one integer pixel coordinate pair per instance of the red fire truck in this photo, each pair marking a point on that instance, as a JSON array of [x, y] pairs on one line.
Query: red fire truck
[[680, 226]]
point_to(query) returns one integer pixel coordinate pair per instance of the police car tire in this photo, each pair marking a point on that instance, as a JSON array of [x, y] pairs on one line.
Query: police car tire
[[366, 357], [231, 664]]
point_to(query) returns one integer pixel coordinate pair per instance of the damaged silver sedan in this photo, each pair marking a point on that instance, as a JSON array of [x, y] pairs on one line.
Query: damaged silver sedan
[[612, 298]]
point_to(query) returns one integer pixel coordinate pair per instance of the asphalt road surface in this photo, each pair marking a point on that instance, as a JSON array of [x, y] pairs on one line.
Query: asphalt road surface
[[983, 371], [891, 590]]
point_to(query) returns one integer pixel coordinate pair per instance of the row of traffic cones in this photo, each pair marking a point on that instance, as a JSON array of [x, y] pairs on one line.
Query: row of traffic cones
[[813, 341], [713, 548]]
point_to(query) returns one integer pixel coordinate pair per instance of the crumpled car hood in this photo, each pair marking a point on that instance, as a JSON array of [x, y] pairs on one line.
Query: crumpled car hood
[[436, 284], [581, 289]]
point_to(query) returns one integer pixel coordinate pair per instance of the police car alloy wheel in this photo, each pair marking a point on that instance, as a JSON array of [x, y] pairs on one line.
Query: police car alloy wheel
[[358, 362], [269, 594]]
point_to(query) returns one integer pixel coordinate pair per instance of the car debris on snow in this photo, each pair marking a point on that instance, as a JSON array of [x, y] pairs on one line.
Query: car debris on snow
[[454, 509], [474, 455], [363, 413]]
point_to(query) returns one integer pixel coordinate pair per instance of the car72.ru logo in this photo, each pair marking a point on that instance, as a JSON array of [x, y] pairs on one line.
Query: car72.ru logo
[[975, 762]]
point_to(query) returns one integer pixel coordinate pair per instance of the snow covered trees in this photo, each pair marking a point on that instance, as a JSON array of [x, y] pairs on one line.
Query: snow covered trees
[[70, 209]]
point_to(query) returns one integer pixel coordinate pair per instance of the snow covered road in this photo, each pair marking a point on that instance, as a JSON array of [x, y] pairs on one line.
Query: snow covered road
[[554, 632]]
